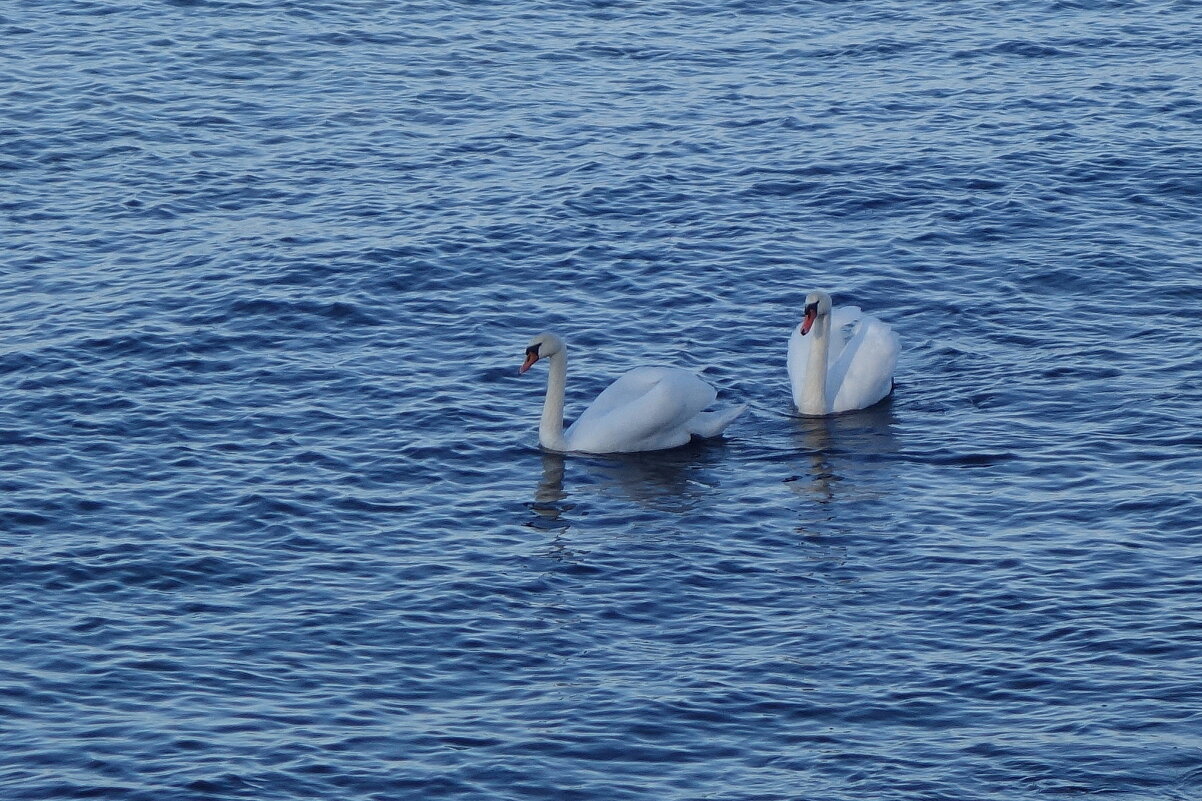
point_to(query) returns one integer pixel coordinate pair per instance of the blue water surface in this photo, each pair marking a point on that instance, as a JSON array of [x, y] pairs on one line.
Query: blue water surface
[[275, 524]]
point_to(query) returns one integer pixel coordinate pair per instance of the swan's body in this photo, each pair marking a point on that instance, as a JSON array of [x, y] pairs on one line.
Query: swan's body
[[647, 409], [840, 359]]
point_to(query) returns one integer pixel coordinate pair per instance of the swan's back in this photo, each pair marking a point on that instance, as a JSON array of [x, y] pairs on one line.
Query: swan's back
[[862, 374], [648, 408]]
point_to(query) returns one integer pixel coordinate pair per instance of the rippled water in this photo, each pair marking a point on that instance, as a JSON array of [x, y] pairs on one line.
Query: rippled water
[[275, 521]]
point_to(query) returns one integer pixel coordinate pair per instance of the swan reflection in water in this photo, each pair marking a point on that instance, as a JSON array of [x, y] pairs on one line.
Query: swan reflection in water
[[548, 505], [668, 481], [842, 454], [836, 457]]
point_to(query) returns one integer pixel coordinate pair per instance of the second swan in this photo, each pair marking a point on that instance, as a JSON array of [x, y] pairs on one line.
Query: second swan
[[840, 359], [647, 409]]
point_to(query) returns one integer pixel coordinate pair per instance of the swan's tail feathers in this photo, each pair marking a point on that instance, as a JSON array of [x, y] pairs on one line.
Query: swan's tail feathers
[[711, 424]]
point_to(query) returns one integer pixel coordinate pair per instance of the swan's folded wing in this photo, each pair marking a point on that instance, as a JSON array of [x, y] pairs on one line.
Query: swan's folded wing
[[841, 318], [647, 407], [863, 373]]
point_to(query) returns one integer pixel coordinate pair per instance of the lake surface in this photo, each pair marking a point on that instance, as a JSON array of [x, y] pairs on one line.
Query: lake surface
[[275, 522]]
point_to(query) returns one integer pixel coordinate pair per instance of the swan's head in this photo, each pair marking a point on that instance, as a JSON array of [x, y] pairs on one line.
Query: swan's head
[[541, 347], [818, 304]]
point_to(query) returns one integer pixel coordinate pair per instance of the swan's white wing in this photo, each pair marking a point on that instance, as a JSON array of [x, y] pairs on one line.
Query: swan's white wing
[[862, 374], [648, 408], [841, 318], [711, 424], [799, 347]]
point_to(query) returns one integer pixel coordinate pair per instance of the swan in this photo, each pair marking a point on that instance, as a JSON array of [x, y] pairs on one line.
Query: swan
[[647, 409], [853, 372]]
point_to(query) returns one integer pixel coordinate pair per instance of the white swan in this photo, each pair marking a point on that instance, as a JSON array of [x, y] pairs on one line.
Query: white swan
[[852, 372], [647, 409]]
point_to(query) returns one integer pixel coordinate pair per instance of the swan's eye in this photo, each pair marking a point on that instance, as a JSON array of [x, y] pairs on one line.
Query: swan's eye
[[532, 350]]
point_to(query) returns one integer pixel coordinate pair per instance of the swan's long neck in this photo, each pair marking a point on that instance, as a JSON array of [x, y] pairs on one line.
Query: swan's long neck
[[550, 428], [813, 399]]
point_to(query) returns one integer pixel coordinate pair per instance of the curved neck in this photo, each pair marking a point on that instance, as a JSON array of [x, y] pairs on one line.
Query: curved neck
[[550, 428], [813, 399]]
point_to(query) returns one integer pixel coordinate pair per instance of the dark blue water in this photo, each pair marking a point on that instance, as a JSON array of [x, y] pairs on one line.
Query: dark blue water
[[275, 522]]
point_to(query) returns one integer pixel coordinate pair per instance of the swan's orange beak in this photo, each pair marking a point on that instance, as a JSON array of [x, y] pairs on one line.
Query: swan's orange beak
[[531, 358], [811, 316]]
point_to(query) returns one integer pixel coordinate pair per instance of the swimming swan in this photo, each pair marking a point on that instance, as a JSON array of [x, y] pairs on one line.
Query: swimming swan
[[853, 372], [647, 409]]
